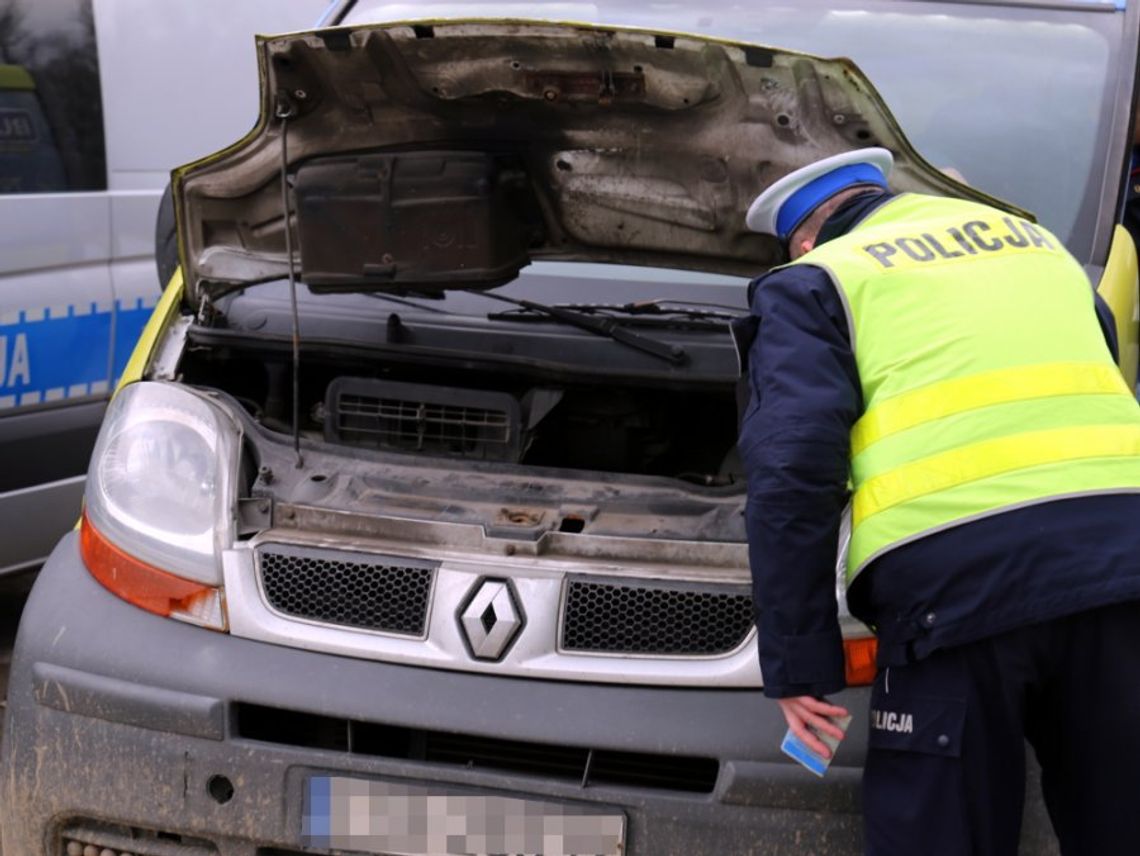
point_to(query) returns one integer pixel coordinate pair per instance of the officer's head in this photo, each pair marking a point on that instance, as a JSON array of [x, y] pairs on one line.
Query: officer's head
[[795, 207]]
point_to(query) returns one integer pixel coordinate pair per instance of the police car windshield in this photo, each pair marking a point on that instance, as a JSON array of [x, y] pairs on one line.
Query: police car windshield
[[1016, 99]]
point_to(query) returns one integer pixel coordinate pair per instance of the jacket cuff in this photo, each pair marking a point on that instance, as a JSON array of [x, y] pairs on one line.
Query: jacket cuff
[[809, 664]]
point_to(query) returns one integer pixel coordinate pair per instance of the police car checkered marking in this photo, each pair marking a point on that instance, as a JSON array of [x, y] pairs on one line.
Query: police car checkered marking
[[7, 401], [32, 397], [80, 309], [56, 394], [147, 302], [77, 390]]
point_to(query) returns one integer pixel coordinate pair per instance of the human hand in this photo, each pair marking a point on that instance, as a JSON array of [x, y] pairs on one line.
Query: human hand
[[802, 711]]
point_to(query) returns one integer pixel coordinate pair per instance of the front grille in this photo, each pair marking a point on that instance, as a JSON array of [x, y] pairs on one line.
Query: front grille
[[380, 593], [88, 837], [406, 417], [564, 763], [661, 619]]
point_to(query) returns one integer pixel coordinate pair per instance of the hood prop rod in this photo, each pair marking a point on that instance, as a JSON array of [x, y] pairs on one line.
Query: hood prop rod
[[286, 110]]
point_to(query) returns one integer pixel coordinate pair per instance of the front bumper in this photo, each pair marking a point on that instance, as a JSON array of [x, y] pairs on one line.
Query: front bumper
[[120, 722]]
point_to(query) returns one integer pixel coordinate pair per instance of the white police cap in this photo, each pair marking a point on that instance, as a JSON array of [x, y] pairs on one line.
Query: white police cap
[[789, 201]]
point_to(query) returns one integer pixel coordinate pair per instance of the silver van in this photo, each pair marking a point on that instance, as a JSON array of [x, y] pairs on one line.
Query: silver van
[[416, 525]]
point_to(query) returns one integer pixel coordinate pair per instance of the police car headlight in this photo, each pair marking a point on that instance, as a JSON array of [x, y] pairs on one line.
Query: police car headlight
[[160, 501]]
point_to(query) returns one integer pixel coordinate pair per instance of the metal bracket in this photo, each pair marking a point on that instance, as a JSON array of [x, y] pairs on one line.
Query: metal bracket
[[164, 363], [254, 514]]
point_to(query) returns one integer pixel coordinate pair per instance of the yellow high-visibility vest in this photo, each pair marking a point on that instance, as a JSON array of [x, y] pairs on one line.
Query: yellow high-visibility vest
[[987, 383]]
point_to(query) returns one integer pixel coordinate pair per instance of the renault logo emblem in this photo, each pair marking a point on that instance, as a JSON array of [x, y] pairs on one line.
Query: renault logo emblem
[[491, 619]]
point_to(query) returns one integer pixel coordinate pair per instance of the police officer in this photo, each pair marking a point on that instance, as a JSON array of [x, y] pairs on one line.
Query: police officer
[[952, 361]]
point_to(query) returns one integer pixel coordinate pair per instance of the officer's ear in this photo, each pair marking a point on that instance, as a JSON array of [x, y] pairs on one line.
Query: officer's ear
[[803, 238]]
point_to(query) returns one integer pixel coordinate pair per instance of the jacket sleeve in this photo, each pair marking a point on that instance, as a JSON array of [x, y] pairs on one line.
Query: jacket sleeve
[[794, 442]]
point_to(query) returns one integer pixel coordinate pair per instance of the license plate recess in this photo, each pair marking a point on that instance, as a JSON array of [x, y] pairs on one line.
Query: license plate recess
[[399, 819]]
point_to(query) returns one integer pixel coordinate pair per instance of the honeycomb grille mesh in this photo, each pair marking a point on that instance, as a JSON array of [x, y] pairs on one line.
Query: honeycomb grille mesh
[[334, 588], [623, 618]]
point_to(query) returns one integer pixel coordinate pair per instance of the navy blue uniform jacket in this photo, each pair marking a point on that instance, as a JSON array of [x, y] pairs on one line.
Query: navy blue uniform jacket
[[981, 578]]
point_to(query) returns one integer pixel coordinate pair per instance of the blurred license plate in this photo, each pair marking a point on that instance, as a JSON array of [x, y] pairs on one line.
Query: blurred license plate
[[367, 816]]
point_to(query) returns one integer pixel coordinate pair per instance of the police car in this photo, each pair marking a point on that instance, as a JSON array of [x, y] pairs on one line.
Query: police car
[[93, 116], [416, 525]]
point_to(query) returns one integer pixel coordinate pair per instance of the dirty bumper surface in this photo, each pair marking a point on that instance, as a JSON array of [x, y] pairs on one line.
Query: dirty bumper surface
[[172, 738]]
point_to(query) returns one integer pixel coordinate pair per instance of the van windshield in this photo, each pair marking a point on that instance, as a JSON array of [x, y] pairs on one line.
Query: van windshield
[[1015, 99]]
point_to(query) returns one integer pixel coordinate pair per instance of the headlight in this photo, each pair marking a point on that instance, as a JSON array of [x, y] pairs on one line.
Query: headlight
[[160, 501]]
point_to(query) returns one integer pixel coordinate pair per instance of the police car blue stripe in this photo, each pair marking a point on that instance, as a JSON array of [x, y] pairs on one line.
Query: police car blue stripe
[[51, 353]]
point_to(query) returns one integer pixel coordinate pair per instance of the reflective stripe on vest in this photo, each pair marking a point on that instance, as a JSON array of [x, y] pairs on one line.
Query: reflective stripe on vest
[[989, 458], [1018, 383], [986, 381]]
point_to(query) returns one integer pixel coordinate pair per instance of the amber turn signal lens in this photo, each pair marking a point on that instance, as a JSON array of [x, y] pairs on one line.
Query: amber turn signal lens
[[859, 654], [138, 583]]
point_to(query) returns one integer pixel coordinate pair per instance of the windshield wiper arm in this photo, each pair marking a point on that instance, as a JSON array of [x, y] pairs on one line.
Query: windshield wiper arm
[[601, 325], [660, 307]]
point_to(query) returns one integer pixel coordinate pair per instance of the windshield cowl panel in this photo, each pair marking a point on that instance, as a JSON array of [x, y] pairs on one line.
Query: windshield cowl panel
[[471, 326]]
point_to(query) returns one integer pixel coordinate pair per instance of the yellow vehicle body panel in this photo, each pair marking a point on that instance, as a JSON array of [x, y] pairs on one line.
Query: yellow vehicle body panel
[[164, 313], [1120, 288]]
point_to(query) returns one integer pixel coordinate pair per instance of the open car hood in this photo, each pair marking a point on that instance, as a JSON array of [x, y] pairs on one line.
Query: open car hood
[[448, 154]]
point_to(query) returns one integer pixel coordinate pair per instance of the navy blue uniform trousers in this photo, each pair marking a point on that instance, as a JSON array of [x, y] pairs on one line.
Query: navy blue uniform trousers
[[946, 764]]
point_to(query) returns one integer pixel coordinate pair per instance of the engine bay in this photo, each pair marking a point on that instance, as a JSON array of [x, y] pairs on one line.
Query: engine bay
[[479, 413]]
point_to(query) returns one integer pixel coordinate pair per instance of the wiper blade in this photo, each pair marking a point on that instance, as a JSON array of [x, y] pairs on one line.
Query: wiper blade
[[600, 325], [660, 307]]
